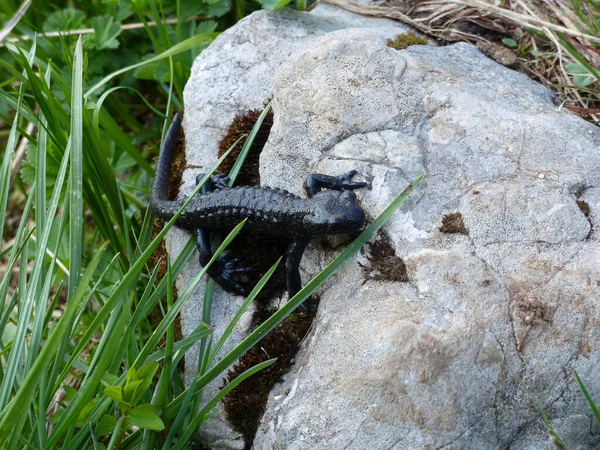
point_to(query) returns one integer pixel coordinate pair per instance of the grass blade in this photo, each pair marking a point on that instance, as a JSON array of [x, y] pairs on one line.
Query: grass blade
[[14, 416], [194, 41], [554, 437], [238, 315], [204, 414], [588, 397], [169, 318], [76, 173], [14, 19]]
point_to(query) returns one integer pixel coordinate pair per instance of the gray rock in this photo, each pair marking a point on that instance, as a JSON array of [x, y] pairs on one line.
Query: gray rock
[[233, 75], [444, 360]]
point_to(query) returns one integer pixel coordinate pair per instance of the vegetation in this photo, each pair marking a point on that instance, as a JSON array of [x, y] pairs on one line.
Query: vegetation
[[405, 40], [555, 43], [89, 347]]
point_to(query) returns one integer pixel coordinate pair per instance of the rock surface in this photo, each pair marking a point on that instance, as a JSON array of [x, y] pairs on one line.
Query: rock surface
[[443, 360]]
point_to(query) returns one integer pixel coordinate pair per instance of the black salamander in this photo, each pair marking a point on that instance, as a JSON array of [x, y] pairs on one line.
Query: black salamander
[[270, 211]]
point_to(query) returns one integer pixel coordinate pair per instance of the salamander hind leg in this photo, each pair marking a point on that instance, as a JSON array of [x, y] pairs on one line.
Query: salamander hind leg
[[225, 269], [317, 181]]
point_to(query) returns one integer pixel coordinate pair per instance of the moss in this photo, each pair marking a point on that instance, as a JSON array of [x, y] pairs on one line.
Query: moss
[[453, 223], [384, 264], [585, 209], [405, 40], [256, 251], [245, 405], [242, 125]]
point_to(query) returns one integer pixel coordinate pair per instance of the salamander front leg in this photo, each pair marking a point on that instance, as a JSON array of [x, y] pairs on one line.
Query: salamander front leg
[[292, 266], [317, 181]]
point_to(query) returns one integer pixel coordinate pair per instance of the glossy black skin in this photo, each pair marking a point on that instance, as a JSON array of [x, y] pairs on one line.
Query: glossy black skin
[[269, 211]]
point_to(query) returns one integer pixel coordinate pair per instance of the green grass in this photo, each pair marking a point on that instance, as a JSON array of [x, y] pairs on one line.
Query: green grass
[[554, 437]]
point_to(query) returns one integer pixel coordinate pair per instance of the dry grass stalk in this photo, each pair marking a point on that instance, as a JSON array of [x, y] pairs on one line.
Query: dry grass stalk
[[124, 27], [482, 21], [529, 20]]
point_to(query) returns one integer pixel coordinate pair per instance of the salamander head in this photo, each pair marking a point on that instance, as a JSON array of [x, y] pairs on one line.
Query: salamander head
[[335, 212]]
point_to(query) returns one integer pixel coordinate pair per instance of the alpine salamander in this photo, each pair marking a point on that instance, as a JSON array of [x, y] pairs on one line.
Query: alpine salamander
[[270, 211]]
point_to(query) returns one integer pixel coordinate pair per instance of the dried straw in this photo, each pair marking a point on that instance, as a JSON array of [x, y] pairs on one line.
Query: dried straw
[[482, 21]]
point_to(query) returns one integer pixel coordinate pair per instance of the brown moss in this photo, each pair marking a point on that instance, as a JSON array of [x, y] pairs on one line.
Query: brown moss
[[384, 264], [242, 125], [244, 406], [453, 223], [405, 40], [532, 313], [585, 209]]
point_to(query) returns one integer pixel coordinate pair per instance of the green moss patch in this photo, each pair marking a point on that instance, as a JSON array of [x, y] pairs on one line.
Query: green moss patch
[[405, 40]]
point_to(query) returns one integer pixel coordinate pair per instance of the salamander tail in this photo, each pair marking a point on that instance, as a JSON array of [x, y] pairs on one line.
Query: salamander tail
[[159, 201]]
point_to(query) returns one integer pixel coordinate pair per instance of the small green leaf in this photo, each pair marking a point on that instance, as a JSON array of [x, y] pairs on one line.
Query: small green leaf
[[581, 76], [219, 8], [207, 26], [106, 425], [510, 42], [64, 19], [583, 80], [576, 69], [147, 372], [146, 375], [273, 4], [536, 53], [129, 391], [116, 393], [132, 375], [105, 33], [146, 416]]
